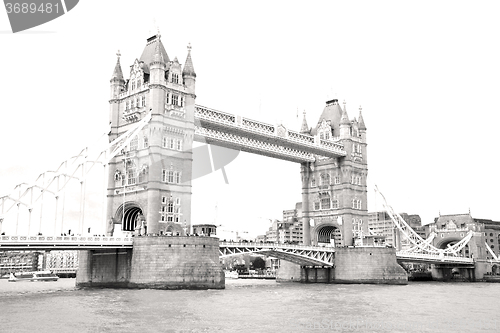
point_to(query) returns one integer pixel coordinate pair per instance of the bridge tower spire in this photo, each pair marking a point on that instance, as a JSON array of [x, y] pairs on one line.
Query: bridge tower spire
[[304, 128], [117, 85], [189, 78]]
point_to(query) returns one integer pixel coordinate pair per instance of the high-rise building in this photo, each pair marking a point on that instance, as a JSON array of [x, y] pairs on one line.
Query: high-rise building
[[380, 223]]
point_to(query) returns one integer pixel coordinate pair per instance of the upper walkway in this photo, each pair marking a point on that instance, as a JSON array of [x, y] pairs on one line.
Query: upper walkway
[[240, 133]]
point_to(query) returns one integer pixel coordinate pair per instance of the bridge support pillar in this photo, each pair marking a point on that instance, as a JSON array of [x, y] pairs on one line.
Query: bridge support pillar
[[104, 268], [155, 262], [289, 272], [305, 170], [447, 273], [375, 265]]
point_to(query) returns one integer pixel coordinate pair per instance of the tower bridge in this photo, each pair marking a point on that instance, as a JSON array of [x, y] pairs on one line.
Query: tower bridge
[[148, 167]]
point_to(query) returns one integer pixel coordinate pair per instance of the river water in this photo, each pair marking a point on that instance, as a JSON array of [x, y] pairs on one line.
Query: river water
[[252, 306]]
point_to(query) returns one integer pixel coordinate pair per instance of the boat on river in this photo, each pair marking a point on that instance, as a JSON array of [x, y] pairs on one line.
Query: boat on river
[[33, 276], [231, 274]]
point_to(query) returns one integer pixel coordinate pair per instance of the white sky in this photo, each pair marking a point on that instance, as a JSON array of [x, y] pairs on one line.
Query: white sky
[[425, 72]]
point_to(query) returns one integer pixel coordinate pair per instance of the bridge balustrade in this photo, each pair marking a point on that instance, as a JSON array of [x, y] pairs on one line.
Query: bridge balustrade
[[433, 257], [277, 246], [253, 126], [66, 241]]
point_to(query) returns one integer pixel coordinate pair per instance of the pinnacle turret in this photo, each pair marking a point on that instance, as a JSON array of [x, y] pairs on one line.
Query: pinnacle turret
[[188, 66], [158, 56], [304, 128], [344, 120], [361, 122], [117, 73]]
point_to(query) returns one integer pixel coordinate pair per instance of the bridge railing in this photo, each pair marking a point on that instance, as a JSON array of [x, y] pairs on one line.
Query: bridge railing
[[269, 130], [442, 258], [35, 240], [277, 245]]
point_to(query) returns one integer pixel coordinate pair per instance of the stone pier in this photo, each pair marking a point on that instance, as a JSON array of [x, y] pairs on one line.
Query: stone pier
[[374, 265], [155, 262]]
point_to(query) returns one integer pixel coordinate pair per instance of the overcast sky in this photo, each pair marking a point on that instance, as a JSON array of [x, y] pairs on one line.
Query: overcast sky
[[425, 72]]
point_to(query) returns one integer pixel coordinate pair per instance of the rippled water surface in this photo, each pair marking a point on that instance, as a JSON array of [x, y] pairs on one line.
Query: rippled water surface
[[252, 306]]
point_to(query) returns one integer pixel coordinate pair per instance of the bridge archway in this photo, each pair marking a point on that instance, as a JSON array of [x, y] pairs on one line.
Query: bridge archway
[[444, 242], [450, 241], [127, 214], [328, 235]]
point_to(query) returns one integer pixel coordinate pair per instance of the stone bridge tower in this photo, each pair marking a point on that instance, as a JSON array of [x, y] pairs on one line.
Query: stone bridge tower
[[334, 190], [149, 186]]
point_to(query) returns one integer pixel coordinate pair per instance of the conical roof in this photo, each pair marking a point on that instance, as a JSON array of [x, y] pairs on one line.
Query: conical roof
[[345, 118], [117, 73], [150, 50], [188, 66], [361, 122], [304, 128], [158, 57], [333, 113]]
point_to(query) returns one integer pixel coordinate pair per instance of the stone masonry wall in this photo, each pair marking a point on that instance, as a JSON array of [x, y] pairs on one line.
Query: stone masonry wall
[[176, 263], [368, 265], [104, 268]]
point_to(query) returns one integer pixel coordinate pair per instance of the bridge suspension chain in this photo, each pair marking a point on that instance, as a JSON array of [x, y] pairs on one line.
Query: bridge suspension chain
[[50, 181], [420, 244]]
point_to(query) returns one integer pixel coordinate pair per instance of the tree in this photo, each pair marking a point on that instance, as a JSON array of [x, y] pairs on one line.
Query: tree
[[259, 263]]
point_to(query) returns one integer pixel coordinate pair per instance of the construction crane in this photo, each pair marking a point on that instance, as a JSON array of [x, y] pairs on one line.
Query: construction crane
[[235, 232]]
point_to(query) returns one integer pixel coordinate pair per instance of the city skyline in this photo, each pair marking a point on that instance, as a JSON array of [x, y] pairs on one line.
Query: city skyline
[[426, 78]]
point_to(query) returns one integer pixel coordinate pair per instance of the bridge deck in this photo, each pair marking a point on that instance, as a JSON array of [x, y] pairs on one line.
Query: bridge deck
[[8, 243], [300, 254]]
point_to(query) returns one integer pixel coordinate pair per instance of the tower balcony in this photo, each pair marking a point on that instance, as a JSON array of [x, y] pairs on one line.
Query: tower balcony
[[133, 114], [356, 156], [175, 111]]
